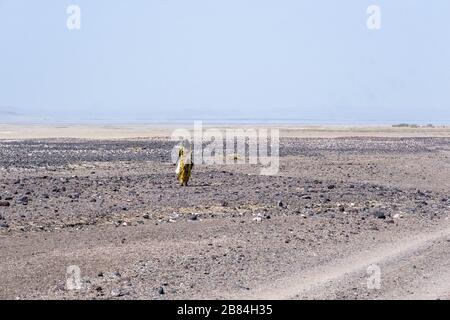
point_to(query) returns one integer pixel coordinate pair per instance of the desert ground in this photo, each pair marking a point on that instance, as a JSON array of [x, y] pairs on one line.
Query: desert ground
[[346, 201]]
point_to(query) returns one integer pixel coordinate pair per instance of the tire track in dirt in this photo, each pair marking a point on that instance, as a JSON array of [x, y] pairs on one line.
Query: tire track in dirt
[[340, 273]]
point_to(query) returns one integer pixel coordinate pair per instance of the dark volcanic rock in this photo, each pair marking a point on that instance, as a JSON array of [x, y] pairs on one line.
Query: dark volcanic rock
[[193, 217], [377, 213], [23, 200]]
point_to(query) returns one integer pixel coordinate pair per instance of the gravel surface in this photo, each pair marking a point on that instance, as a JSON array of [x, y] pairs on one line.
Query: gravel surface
[[113, 209]]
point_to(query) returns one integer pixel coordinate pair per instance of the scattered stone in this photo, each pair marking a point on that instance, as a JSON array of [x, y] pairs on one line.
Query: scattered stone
[[193, 217], [331, 186], [378, 214], [4, 204], [422, 194], [397, 216], [161, 290], [117, 292], [23, 200]]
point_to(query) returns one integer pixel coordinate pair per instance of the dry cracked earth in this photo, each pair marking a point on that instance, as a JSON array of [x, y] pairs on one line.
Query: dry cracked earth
[[114, 210]]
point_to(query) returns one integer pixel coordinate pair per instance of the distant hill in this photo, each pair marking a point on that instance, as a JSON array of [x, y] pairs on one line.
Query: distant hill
[[8, 111]]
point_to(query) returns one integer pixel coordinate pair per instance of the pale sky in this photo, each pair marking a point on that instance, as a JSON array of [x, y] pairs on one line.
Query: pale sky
[[162, 60]]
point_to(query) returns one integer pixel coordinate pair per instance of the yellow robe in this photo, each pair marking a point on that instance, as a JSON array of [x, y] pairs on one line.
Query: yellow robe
[[184, 167]]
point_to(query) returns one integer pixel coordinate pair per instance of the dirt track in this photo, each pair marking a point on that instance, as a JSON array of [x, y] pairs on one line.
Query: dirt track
[[112, 207], [397, 259]]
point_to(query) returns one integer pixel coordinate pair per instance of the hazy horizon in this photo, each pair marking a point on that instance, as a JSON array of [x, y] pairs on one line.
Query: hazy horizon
[[225, 61]]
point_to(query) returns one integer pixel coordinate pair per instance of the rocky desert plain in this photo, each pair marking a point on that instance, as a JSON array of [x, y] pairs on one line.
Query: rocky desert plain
[[348, 204]]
